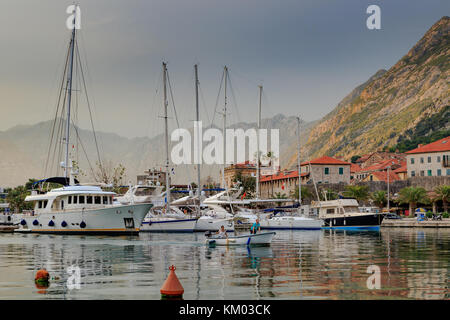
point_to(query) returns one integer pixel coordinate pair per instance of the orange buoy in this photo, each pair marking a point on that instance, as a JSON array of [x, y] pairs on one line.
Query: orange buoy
[[172, 287], [41, 278]]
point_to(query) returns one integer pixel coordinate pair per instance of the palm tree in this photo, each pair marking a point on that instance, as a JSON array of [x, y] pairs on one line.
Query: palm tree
[[413, 196], [442, 193], [359, 193], [379, 197], [306, 194], [329, 193]]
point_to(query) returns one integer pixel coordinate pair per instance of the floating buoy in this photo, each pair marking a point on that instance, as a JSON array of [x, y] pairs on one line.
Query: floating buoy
[[23, 222], [82, 225], [63, 224], [35, 223], [51, 223], [172, 287], [41, 278]]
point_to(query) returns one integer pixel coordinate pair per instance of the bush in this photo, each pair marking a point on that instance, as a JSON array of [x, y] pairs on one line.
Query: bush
[[445, 215], [429, 214]]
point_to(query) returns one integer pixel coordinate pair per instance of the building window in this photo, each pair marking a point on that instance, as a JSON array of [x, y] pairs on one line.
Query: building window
[[421, 160], [341, 171], [438, 159], [429, 159], [448, 172], [327, 170], [413, 173], [412, 160], [439, 172], [429, 173], [422, 173]]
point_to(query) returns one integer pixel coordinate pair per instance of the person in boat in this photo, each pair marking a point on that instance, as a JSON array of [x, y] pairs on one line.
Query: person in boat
[[222, 233], [255, 227]]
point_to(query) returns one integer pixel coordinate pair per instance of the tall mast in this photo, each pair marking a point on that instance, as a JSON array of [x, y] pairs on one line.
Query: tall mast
[[69, 97], [224, 126], [166, 136], [258, 169], [298, 164], [199, 151]]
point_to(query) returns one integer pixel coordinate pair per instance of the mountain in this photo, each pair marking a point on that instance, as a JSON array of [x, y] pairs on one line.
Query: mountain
[[25, 152], [392, 105]]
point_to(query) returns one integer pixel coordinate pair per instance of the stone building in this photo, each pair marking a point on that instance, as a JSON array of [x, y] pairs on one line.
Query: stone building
[[373, 158], [325, 170], [431, 160]]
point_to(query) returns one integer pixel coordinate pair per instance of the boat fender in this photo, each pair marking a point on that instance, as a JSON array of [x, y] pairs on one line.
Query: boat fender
[[35, 223], [9, 218], [82, 225], [63, 224], [51, 223], [23, 222]]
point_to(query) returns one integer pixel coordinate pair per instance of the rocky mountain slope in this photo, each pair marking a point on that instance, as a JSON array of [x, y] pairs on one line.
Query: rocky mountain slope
[[391, 104]]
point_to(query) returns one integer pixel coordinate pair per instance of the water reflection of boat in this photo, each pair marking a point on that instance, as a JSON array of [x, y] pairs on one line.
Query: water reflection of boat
[[263, 238]]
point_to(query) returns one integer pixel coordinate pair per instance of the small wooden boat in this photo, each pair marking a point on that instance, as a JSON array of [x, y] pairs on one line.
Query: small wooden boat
[[264, 238]]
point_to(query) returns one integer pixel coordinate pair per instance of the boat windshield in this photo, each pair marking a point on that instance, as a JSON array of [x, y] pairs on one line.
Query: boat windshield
[[144, 192], [351, 209]]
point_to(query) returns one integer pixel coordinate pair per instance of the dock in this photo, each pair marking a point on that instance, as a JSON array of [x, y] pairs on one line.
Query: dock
[[414, 223], [7, 228]]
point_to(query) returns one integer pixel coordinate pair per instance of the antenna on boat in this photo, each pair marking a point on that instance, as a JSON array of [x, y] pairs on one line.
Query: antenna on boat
[[199, 151], [166, 136], [299, 166], [258, 169], [69, 96]]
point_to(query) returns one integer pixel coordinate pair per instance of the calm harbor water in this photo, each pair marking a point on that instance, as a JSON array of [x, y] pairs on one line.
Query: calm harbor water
[[414, 264]]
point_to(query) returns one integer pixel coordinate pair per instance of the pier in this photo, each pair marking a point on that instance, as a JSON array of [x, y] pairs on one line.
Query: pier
[[414, 223]]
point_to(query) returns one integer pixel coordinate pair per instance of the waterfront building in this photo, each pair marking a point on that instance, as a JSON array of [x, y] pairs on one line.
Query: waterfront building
[[378, 171], [430, 160], [246, 169], [325, 170], [373, 158], [152, 177]]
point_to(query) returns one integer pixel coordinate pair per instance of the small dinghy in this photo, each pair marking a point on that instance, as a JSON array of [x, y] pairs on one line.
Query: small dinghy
[[261, 239]]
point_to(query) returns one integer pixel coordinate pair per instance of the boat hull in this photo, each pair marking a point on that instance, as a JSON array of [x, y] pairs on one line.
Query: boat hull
[[213, 224], [111, 220], [361, 222], [168, 225], [261, 239]]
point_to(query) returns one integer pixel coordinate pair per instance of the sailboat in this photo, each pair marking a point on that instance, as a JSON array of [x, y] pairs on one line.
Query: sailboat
[[169, 218], [75, 208]]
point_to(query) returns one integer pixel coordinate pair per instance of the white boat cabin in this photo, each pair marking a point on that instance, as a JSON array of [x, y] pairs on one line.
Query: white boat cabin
[[71, 198], [339, 207]]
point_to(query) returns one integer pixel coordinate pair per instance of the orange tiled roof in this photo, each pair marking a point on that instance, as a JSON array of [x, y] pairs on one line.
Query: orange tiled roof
[[326, 160], [382, 165], [403, 168], [437, 146], [282, 175], [382, 175], [354, 168]]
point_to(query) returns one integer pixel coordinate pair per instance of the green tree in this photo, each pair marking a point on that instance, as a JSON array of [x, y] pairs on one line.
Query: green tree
[[360, 193], [248, 183], [443, 194], [328, 194], [413, 196], [306, 194], [354, 158], [16, 197], [379, 197]]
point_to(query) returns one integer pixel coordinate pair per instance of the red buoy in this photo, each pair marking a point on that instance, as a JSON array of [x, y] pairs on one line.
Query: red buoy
[[172, 287], [42, 276]]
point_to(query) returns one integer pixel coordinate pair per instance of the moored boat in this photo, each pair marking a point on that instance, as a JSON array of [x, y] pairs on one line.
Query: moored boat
[[263, 238], [345, 214]]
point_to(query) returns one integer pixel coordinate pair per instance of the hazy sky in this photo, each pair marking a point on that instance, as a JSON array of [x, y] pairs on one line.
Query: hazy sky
[[308, 54]]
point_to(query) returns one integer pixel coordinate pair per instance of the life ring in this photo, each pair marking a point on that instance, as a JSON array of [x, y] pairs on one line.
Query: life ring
[[82, 225], [63, 224]]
